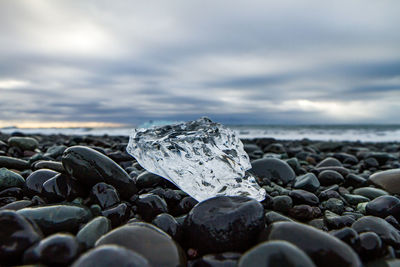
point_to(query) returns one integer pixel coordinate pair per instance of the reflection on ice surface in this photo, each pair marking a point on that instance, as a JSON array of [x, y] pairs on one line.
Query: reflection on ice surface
[[201, 157]]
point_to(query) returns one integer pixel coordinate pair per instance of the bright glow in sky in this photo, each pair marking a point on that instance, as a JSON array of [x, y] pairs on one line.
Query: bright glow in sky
[[126, 62]]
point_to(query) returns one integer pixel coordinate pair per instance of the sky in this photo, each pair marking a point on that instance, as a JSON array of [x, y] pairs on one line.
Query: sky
[[96, 62]]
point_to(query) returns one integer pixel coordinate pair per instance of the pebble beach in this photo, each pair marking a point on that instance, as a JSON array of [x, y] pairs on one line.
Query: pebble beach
[[83, 201]]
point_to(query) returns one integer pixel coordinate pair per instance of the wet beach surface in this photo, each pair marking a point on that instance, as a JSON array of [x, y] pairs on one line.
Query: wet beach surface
[[83, 201]]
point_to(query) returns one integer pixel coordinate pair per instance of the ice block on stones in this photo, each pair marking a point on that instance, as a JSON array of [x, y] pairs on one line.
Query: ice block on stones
[[201, 157]]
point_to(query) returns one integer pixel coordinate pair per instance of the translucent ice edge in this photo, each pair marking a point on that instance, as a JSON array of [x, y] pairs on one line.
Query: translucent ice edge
[[203, 158]]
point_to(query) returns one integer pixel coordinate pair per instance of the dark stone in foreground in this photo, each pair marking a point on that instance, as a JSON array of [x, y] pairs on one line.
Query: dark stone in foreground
[[155, 245], [16, 235], [324, 250], [275, 253], [224, 223], [91, 167], [111, 255], [382, 228]]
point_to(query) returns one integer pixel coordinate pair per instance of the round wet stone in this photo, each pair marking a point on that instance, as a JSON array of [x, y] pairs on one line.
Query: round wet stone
[[329, 177], [322, 248], [16, 235], [168, 224], [10, 179], [282, 203], [275, 253], [150, 205], [91, 167], [184, 206], [387, 180], [62, 187], [273, 169], [147, 179], [303, 197], [308, 182], [93, 230], [329, 162], [347, 235], [117, 215], [334, 221], [333, 204], [224, 223], [34, 182], [105, 195], [382, 228], [304, 212], [57, 218], [384, 206], [370, 245], [57, 249], [111, 255], [143, 238], [24, 143]]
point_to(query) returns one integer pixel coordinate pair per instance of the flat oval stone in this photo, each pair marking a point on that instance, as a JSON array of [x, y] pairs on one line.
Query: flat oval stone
[[369, 192], [303, 197], [275, 253], [91, 167], [322, 248], [93, 230], [111, 255], [13, 163], [10, 179], [34, 182], [329, 162], [224, 223], [382, 228], [57, 218], [387, 180], [273, 169], [329, 177], [384, 206], [155, 245], [17, 205], [24, 143], [49, 164], [16, 235]]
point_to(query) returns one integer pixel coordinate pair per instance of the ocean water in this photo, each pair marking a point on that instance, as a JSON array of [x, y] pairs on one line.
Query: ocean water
[[364, 133]]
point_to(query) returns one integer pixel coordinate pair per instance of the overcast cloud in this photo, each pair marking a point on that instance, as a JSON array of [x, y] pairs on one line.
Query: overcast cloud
[[235, 61]]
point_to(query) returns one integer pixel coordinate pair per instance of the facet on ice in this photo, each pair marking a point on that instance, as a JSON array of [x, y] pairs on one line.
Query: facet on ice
[[203, 158]]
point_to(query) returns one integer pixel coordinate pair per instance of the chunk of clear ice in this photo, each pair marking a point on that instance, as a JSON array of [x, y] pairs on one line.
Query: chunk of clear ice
[[203, 158]]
